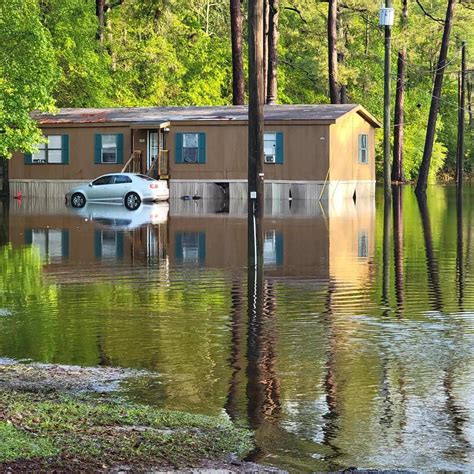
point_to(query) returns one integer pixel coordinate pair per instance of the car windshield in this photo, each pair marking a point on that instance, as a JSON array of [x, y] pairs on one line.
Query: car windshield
[[146, 178]]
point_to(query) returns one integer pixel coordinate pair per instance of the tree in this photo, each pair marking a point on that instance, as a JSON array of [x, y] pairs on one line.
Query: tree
[[273, 34], [85, 79], [397, 165], [27, 75], [237, 59], [435, 99], [332, 52]]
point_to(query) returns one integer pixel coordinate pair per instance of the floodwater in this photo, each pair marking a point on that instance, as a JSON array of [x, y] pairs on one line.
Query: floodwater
[[357, 352]]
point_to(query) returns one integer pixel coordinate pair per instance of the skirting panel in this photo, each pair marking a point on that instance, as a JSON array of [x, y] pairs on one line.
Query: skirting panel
[[276, 191], [42, 188]]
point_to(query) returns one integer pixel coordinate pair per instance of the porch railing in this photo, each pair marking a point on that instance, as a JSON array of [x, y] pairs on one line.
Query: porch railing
[[160, 167], [134, 163]]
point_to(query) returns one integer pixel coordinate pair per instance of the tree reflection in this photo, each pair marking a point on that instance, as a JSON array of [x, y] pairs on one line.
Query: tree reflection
[[459, 250], [237, 352], [398, 247], [263, 388], [386, 256], [431, 261]]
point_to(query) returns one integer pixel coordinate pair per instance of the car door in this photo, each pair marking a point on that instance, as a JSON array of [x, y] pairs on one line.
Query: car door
[[100, 189], [121, 186]]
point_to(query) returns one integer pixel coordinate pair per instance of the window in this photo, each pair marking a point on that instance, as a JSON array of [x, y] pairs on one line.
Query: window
[[269, 147], [108, 149], [273, 147], [103, 180], [145, 177], [122, 179], [109, 244], [363, 149], [54, 151], [273, 248], [363, 244], [51, 243], [191, 148], [190, 247]]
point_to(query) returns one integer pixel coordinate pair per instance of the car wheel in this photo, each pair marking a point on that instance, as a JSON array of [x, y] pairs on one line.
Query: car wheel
[[78, 200], [132, 201]]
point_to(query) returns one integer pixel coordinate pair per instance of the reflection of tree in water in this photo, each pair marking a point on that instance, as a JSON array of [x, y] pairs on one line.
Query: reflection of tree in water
[[263, 387], [431, 261], [398, 247], [459, 251], [332, 416], [236, 359], [456, 416]]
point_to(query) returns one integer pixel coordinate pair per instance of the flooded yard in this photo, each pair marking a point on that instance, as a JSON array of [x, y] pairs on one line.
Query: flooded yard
[[361, 354]]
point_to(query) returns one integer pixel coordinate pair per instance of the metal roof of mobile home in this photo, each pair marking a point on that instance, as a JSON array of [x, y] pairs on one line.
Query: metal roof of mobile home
[[325, 113]]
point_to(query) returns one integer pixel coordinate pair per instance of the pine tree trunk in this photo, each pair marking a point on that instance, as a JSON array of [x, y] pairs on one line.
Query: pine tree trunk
[[100, 13], [398, 136], [433, 115], [397, 165], [332, 52], [237, 59], [266, 21], [272, 52]]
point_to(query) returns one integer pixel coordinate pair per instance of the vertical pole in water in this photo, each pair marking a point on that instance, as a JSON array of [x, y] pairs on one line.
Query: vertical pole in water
[[255, 133], [386, 19], [461, 123]]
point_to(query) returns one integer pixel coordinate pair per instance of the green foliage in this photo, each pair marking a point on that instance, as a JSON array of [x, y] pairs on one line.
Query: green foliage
[[84, 80], [170, 52], [27, 74]]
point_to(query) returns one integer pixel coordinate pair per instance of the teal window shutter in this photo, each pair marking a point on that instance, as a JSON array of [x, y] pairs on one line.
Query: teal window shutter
[[65, 242], [28, 159], [279, 248], [179, 148], [120, 148], [28, 236], [98, 244], [178, 247], [98, 149], [202, 148], [119, 245], [65, 149], [202, 247], [279, 148]]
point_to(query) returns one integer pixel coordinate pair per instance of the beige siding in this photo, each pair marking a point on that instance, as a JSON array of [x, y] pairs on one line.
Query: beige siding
[[344, 136], [305, 153], [81, 156]]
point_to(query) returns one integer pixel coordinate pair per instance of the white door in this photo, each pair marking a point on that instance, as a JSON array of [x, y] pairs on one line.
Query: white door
[[152, 148]]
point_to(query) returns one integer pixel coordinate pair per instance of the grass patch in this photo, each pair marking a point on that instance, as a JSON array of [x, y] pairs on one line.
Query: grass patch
[[50, 427]]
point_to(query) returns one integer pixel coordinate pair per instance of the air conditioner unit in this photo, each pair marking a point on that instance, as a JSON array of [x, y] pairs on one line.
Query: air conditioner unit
[[269, 158]]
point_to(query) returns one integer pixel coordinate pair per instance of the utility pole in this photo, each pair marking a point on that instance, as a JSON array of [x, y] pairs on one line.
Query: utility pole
[[255, 132], [461, 123], [386, 20]]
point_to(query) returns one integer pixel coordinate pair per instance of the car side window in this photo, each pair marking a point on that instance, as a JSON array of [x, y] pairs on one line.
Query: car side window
[[103, 180], [121, 179]]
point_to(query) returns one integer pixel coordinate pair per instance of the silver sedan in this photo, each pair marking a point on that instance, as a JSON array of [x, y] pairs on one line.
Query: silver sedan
[[129, 188]]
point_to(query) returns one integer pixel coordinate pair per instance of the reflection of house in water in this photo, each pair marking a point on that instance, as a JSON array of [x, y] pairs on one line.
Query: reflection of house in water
[[300, 241], [96, 236]]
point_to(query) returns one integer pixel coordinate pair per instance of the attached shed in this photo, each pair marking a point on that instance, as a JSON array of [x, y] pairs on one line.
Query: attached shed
[[311, 151]]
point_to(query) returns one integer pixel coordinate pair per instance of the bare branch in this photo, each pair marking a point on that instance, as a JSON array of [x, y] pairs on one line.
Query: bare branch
[[294, 9], [423, 9]]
